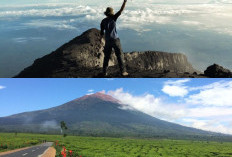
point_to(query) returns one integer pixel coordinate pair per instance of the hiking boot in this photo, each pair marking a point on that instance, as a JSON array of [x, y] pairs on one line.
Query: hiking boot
[[105, 74], [102, 75], [125, 73]]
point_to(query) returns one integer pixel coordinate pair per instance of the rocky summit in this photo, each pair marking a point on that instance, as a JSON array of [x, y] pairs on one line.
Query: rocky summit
[[83, 57]]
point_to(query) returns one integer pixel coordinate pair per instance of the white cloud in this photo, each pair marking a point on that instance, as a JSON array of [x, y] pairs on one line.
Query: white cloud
[[148, 104], [207, 112], [90, 90], [103, 92], [215, 94], [58, 24], [2, 87], [35, 5], [70, 10], [209, 125], [176, 88], [52, 124], [191, 23], [26, 39], [20, 40], [89, 93], [211, 118]]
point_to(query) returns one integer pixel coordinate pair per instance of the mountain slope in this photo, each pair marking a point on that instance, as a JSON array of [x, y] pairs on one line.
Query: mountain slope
[[83, 57], [99, 115]]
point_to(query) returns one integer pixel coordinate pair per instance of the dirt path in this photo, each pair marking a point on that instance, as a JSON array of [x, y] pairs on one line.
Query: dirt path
[[50, 152]]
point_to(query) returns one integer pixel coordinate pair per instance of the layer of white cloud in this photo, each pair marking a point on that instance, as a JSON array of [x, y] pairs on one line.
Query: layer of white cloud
[[70, 10], [110, 2], [176, 88], [26, 39], [209, 16], [57, 24]]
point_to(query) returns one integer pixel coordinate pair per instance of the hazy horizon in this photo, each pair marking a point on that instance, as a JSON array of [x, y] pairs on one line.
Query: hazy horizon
[[202, 30]]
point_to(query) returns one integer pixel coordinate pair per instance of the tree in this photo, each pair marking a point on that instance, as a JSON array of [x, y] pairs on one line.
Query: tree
[[63, 128]]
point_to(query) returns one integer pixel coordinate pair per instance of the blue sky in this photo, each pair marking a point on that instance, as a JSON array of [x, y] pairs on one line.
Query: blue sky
[[32, 94], [200, 29], [200, 103]]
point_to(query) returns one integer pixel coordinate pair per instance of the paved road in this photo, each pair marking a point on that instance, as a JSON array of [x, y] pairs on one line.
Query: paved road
[[34, 151]]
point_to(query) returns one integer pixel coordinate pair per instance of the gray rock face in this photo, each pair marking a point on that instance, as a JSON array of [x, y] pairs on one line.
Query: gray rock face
[[86, 52], [153, 60], [217, 71], [91, 55]]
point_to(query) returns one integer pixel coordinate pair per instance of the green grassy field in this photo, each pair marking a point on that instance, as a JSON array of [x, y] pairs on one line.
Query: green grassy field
[[121, 147], [10, 141]]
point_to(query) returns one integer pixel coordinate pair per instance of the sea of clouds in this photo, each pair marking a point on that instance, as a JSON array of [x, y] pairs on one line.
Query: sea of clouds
[[204, 16], [200, 29]]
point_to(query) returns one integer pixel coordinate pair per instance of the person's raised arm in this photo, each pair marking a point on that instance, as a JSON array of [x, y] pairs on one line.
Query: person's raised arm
[[123, 6], [120, 11]]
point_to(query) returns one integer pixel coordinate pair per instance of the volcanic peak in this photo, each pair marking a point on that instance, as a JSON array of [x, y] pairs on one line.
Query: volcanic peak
[[99, 95]]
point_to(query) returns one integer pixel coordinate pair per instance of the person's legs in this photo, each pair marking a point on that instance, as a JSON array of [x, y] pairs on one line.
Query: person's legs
[[118, 51], [107, 53]]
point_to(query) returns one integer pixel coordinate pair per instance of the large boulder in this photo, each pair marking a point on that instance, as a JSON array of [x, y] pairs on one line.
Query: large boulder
[[217, 71]]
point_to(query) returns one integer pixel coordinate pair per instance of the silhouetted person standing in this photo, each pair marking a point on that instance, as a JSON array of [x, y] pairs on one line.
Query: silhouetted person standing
[[112, 40]]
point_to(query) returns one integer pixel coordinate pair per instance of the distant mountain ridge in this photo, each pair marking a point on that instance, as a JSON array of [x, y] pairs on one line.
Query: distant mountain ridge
[[101, 115], [83, 57]]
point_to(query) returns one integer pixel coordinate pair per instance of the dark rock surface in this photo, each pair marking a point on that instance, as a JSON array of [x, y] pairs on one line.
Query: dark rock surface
[[217, 71], [83, 57]]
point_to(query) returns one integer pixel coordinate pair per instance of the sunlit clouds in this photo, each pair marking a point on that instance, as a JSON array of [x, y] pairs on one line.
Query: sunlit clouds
[[203, 16], [207, 107]]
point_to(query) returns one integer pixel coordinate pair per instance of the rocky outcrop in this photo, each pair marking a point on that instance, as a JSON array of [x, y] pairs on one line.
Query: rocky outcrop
[[217, 71], [153, 60], [83, 57]]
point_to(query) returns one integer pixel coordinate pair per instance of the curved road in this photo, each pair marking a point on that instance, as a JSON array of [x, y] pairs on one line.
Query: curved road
[[34, 151]]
